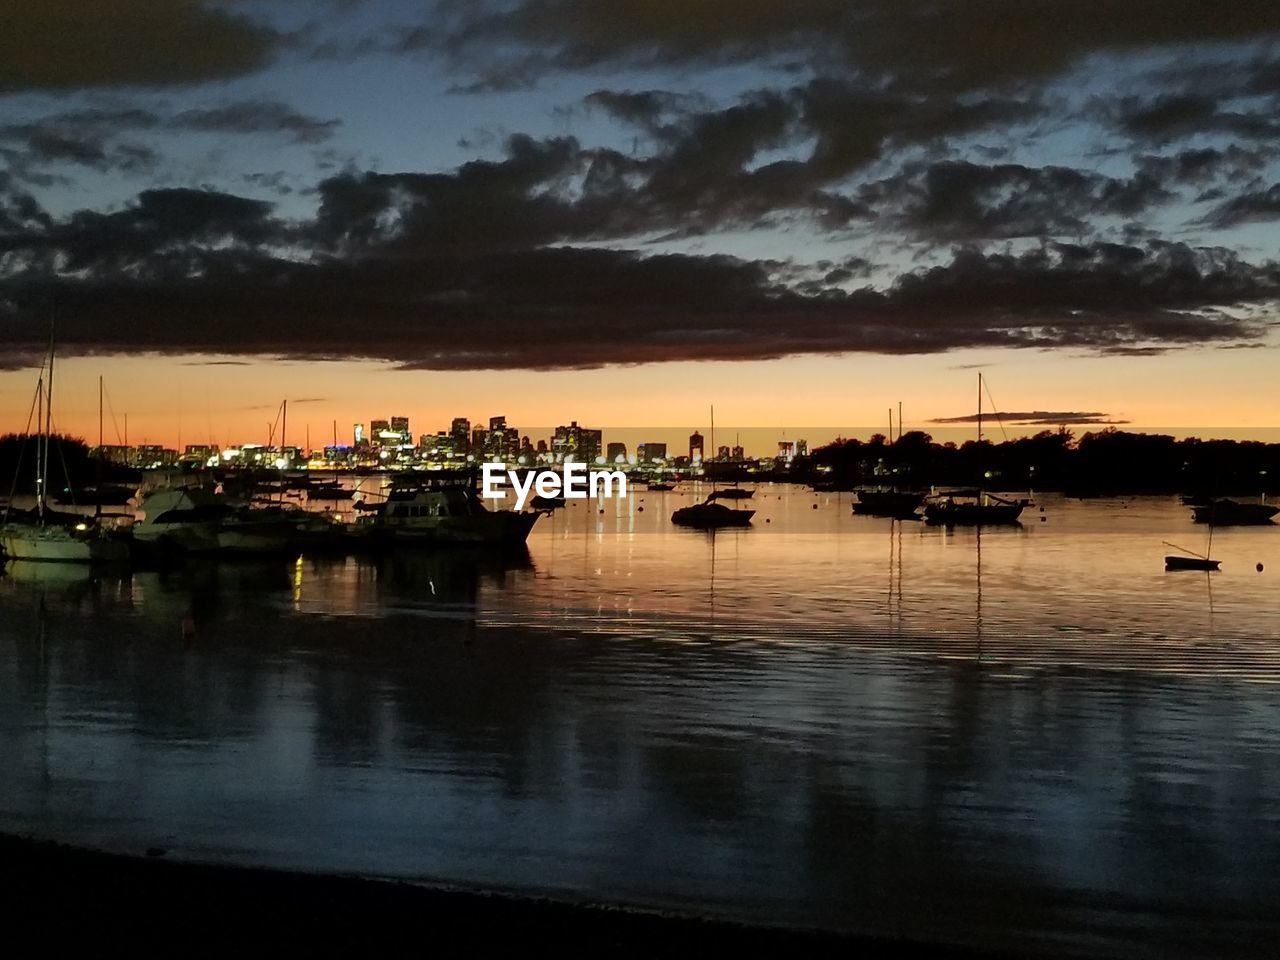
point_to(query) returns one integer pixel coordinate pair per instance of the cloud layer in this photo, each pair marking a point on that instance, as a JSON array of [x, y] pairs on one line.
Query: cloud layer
[[890, 177]]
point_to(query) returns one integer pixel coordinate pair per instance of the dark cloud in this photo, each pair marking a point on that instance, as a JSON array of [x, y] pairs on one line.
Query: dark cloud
[[702, 169], [1170, 117], [257, 116], [63, 45], [1256, 206], [94, 138], [164, 233], [32, 150], [20, 212], [1206, 166], [956, 44], [483, 206], [957, 200], [1037, 418], [182, 270]]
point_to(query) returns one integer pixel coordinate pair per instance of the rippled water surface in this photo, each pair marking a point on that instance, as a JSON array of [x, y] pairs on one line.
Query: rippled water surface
[[1035, 736]]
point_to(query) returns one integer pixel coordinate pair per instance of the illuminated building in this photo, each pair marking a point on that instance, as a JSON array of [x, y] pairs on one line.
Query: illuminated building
[[460, 433], [695, 447], [576, 443], [651, 452]]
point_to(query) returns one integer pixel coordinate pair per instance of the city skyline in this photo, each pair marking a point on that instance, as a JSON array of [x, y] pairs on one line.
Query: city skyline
[[634, 212], [195, 402]]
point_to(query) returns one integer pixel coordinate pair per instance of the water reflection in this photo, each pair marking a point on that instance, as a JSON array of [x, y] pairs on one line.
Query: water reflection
[[1021, 738]]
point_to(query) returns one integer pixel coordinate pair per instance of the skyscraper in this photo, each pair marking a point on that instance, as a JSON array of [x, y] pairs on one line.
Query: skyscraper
[[651, 452], [580, 444], [460, 431]]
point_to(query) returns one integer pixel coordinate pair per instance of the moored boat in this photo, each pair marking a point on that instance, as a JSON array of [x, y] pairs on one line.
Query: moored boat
[[1233, 513], [972, 508], [445, 509], [203, 520], [1175, 562], [329, 491], [730, 493], [46, 543], [45, 535], [894, 504], [710, 515]]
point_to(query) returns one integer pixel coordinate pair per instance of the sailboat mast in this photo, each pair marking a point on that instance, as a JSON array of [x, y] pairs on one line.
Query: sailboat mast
[[284, 423], [40, 445], [899, 419], [713, 447], [48, 432], [979, 406], [97, 495]]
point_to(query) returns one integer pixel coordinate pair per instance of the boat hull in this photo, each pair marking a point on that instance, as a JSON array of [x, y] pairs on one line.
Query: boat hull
[[497, 528], [973, 514], [1228, 513], [701, 518], [894, 505], [1190, 563], [55, 545]]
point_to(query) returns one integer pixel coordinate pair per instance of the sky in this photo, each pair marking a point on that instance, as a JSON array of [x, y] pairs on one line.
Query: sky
[[624, 212]]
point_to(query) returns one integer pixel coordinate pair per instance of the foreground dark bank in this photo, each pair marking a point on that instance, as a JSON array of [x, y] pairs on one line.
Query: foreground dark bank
[[71, 897]]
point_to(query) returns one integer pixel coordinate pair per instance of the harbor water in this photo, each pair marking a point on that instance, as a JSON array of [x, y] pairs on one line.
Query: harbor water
[[1029, 737]]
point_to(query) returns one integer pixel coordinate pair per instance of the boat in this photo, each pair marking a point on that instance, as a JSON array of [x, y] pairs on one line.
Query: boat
[[84, 543], [203, 520], [1175, 562], [1189, 559], [710, 515], [972, 508], [445, 509], [329, 491], [894, 504], [1233, 513], [47, 536], [660, 485], [730, 493]]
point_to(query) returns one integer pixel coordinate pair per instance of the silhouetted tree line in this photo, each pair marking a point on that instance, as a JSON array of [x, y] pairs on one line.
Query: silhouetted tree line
[[1098, 463], [71, 465]]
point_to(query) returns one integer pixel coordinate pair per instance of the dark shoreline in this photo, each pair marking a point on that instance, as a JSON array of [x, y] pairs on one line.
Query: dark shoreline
[[73, 897]]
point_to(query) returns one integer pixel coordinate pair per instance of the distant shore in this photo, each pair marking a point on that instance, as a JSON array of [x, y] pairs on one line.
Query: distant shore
[[73, 897]]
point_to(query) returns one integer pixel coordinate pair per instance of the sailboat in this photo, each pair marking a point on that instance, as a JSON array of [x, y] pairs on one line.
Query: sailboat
[[971, 508], [47, 536], [893, 504], [1189, 559], [710, 515], [1225, 513]]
